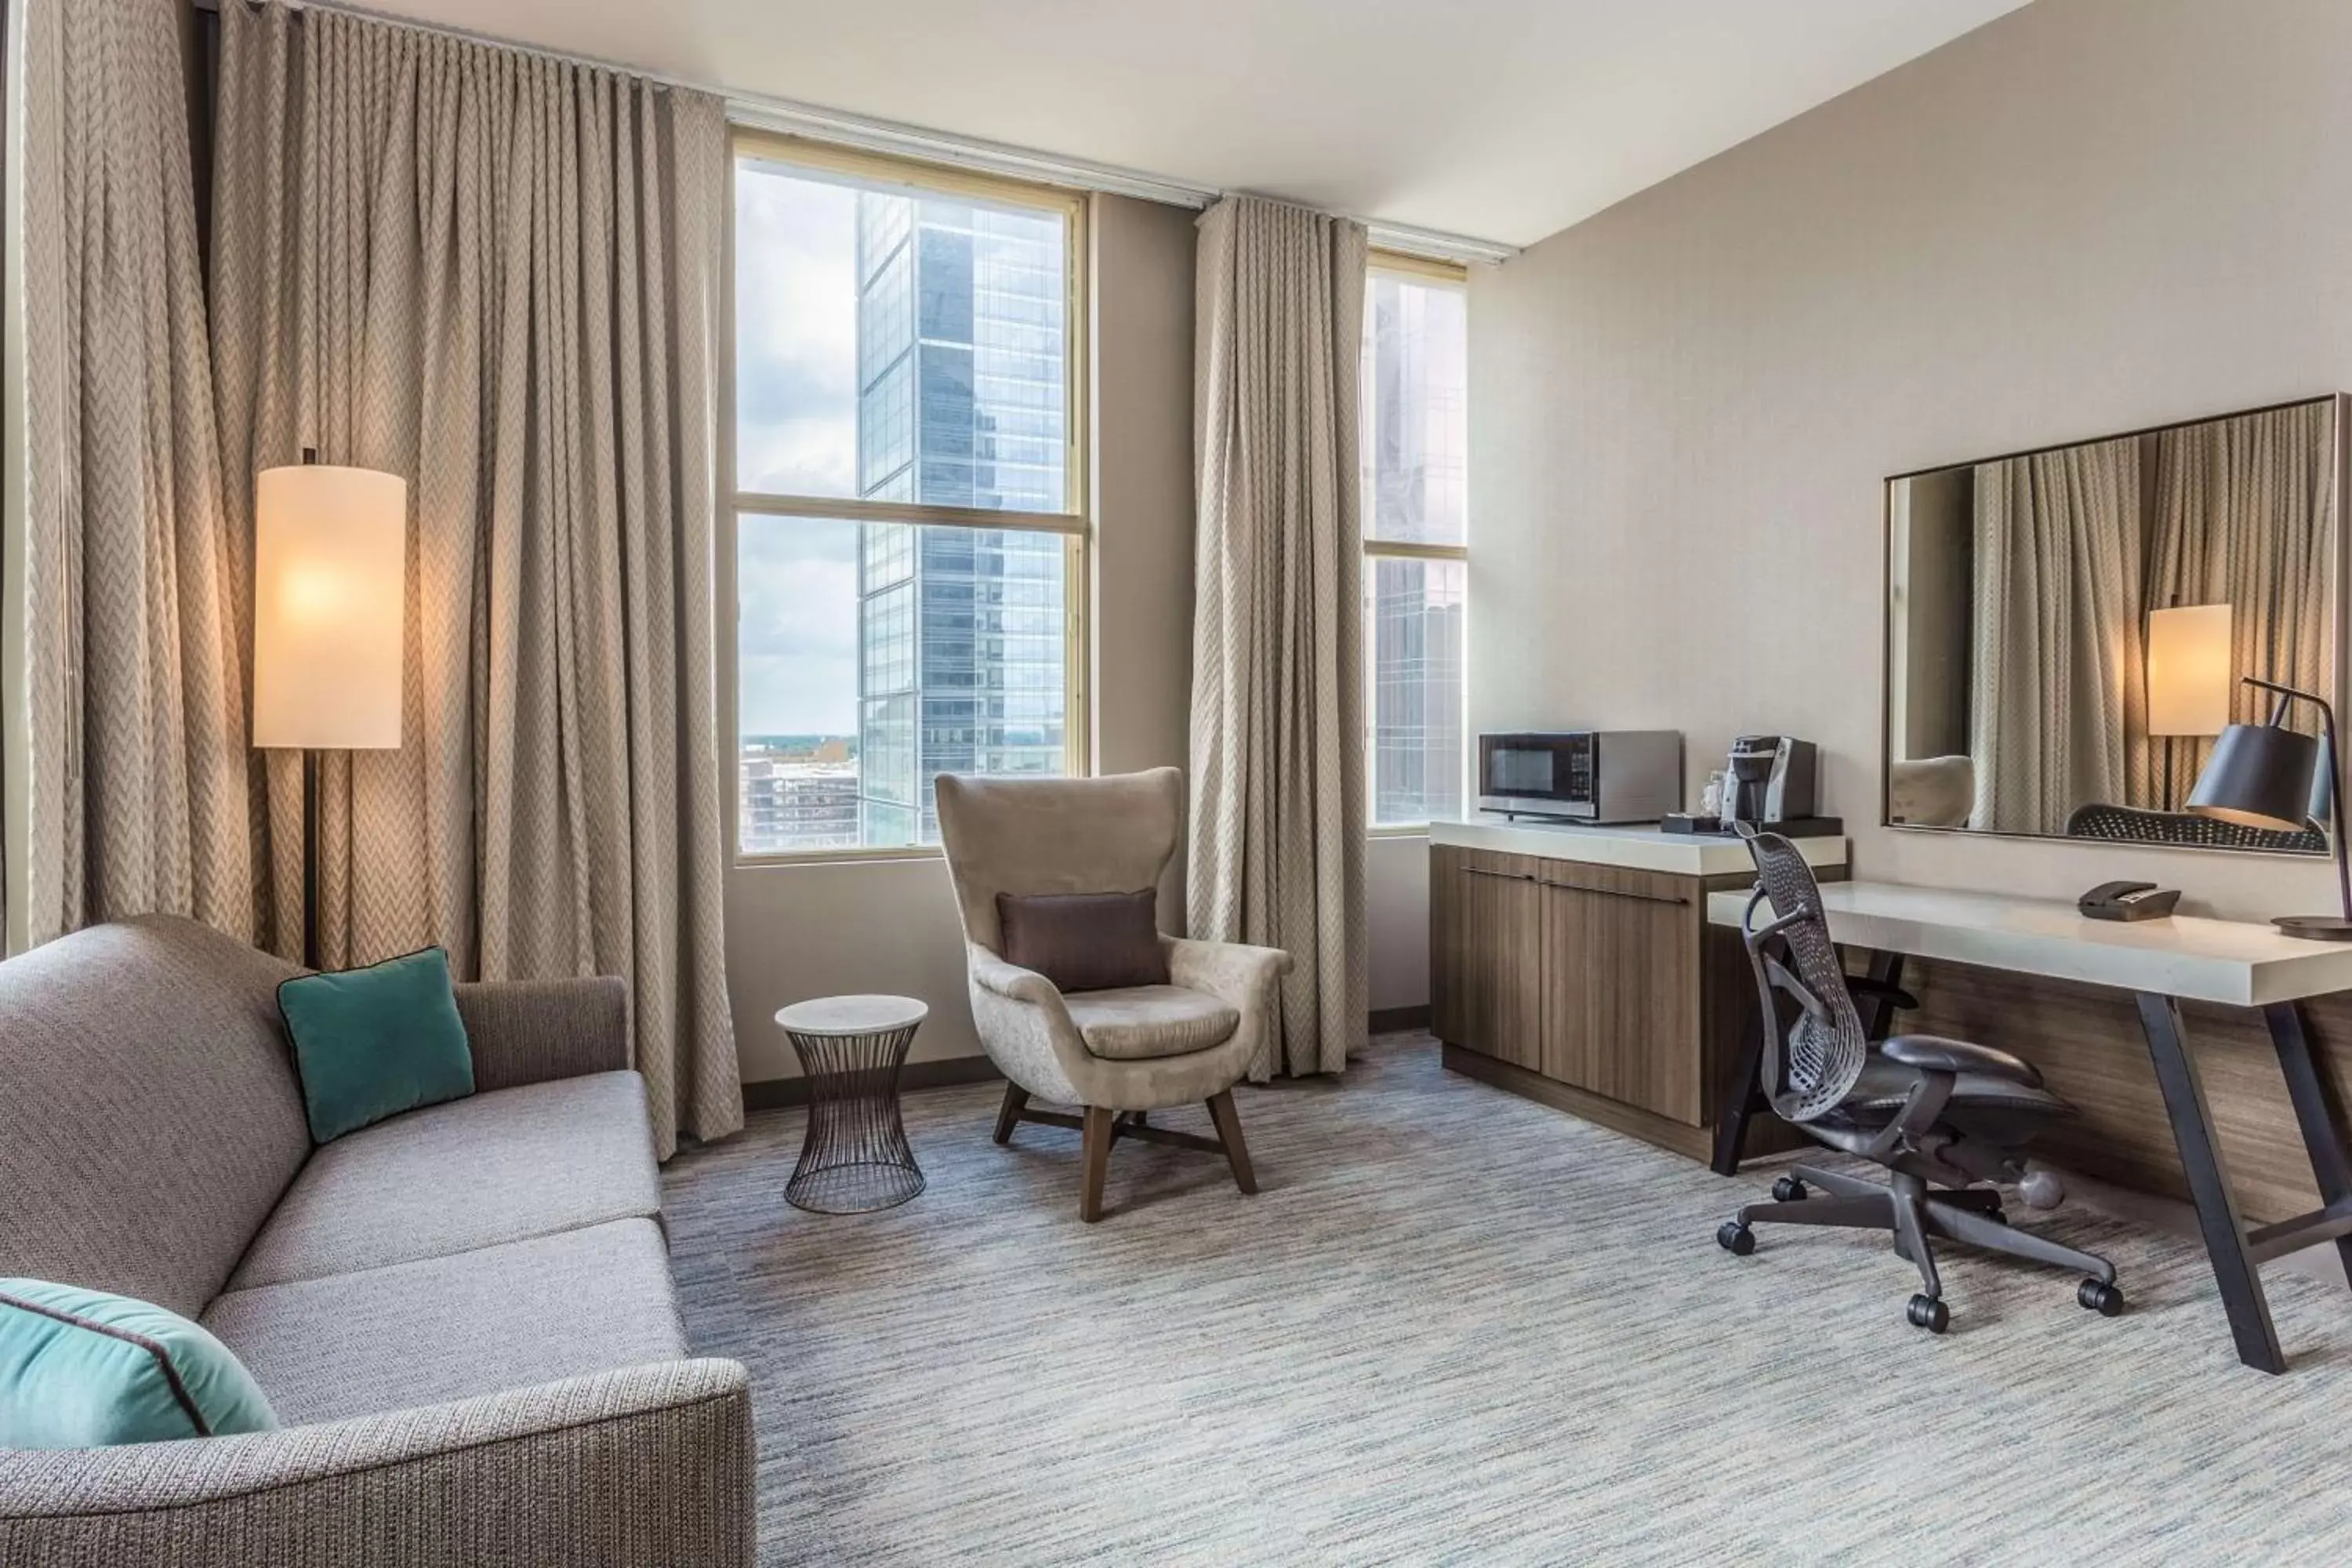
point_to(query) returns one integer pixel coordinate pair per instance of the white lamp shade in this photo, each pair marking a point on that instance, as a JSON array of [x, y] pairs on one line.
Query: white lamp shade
[[329, 584], [2190, 679]]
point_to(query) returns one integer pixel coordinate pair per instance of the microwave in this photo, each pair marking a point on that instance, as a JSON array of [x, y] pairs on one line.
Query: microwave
[[1582, 775]]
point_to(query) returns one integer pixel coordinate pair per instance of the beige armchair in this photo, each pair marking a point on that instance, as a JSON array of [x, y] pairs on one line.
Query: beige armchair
[[1118, 1055]]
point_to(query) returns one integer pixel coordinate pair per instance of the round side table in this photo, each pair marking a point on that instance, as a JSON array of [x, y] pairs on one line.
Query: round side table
[[856, 1157]]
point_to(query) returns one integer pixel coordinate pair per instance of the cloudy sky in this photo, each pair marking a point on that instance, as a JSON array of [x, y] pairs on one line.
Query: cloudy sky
[[796, 432]]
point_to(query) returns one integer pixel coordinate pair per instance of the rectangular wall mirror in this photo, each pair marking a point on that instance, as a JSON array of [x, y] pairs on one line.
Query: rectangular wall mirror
[[2068, 628]]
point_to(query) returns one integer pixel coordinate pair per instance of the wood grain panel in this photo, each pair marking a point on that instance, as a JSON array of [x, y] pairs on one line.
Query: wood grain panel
[[1444, 943], [1692, 1142], [1598, 989], [1622, 987], [1486, 953], [2087, 1042]]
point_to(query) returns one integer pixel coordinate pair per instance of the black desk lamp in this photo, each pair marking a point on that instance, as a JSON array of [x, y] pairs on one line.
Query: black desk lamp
[[2260, 775]]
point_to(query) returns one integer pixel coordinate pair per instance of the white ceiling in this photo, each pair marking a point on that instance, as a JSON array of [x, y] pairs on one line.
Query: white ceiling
[[1503, 120]]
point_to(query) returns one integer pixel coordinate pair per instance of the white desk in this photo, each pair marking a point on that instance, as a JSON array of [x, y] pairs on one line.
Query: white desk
[[2229, 962], [2162, 962], [1635, 845]]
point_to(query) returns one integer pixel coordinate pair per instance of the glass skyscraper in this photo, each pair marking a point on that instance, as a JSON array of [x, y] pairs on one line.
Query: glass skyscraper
[[961, 401], [1413, 473]]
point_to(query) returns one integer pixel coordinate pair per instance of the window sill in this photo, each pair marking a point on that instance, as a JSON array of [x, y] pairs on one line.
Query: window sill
[[785, 859]]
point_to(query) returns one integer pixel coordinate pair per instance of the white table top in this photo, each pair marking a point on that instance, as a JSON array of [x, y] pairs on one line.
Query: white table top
[[1637, 847], [853, 1015], [2235, 961]]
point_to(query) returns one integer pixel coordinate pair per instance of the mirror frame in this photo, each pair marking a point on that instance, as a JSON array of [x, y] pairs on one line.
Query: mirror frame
[[2340, 405]]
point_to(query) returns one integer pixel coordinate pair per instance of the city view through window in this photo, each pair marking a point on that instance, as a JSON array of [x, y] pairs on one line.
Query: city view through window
[[1414, 455], [907, 347]]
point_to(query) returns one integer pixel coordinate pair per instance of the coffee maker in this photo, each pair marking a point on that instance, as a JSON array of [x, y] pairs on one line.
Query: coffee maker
[[1770, 780], [1772, 784]]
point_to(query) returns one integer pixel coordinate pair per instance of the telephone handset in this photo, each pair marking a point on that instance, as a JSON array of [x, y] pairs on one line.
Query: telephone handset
[[2128, 902]]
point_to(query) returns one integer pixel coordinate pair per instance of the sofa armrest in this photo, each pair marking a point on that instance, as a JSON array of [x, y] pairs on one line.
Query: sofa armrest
[[646, 1464], [528, 1031], [1234, 973]]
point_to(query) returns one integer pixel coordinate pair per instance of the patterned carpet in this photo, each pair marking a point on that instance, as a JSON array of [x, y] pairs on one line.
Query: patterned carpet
[[1460, 1327]]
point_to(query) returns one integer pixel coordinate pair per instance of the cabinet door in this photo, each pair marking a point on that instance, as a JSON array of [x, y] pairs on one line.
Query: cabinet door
[[1487, 933], [1621, 989]]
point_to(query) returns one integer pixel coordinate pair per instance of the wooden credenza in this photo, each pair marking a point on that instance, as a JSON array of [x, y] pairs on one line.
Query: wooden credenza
[[1576, 966]]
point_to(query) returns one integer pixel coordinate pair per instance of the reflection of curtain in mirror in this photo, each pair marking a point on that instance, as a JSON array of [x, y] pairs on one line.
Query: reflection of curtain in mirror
[[2056, 702], [2243, 517]]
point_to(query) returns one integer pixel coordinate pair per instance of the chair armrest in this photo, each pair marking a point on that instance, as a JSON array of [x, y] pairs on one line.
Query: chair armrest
[[1010, 981], [1933, 1053], [646, 1464], [529, 1031], [1234, 973]]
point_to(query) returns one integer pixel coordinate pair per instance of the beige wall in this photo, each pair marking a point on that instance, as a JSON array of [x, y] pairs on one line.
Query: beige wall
[[812, 930], [1396, 887], [2089, 217], [1143, 495]]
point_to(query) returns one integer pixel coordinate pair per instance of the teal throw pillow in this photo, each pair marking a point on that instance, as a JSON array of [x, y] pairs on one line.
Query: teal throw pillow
[[83, 1369], [373, 1042]]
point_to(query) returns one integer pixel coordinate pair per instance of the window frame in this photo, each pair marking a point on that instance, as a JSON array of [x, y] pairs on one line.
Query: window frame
[[1074, 525], [1446, 274]]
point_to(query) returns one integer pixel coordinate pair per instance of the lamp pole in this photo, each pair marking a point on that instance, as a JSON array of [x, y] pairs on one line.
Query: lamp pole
[[2331, 757]]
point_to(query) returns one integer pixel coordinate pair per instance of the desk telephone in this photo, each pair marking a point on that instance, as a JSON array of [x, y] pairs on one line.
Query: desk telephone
[[2128, 902]]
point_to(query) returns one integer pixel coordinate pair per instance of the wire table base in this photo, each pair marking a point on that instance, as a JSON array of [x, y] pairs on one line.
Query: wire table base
[[854, 1158]]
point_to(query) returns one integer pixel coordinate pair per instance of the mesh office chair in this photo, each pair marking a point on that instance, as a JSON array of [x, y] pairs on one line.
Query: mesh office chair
[[2132, 824], [1940, 1114]]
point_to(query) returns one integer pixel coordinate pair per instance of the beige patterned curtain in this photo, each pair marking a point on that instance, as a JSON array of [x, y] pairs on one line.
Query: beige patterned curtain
[[1278, 817], [134, 660], [2058, 710], [2245, 516], [497, 275]]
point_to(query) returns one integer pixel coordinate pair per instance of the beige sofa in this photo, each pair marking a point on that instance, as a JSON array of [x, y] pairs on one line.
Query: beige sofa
[[464, 1316]]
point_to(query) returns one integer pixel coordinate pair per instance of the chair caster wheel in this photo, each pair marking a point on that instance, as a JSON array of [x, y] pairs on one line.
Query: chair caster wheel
[[1735, 1237], [2107, 1300], [1929, 1313], [1790, 1190]]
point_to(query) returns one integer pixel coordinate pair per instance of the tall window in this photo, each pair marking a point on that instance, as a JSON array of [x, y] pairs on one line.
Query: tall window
[[907, 510], [1416, 448]]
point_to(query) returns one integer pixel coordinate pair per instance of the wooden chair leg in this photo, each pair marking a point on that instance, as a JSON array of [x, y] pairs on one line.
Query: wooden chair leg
[[1096, 1137], [1008, 1115], [1229, 1133]]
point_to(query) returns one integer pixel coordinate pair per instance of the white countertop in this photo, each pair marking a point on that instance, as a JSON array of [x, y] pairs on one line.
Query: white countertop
[[1639, 848], [2236, 962]]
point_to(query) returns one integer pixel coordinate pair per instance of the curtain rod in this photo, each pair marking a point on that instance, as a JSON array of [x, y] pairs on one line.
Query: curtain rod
[[869, 134]]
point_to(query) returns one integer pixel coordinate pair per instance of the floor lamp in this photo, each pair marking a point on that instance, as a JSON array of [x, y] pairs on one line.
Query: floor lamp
[[329, 586], [2190, 669]]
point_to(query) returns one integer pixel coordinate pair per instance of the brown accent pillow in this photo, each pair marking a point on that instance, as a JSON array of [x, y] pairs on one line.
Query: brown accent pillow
[[1084, 942]]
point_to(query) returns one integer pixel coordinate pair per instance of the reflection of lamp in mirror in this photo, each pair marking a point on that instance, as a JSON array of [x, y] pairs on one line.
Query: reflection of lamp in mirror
[[2264, 775], [2188, 677], [330, 567]]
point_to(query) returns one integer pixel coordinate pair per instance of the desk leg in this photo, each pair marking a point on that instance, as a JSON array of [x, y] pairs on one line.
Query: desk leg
[[2208, 1183], [1743, 1097], [1886, 968], [2315, 1112]]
